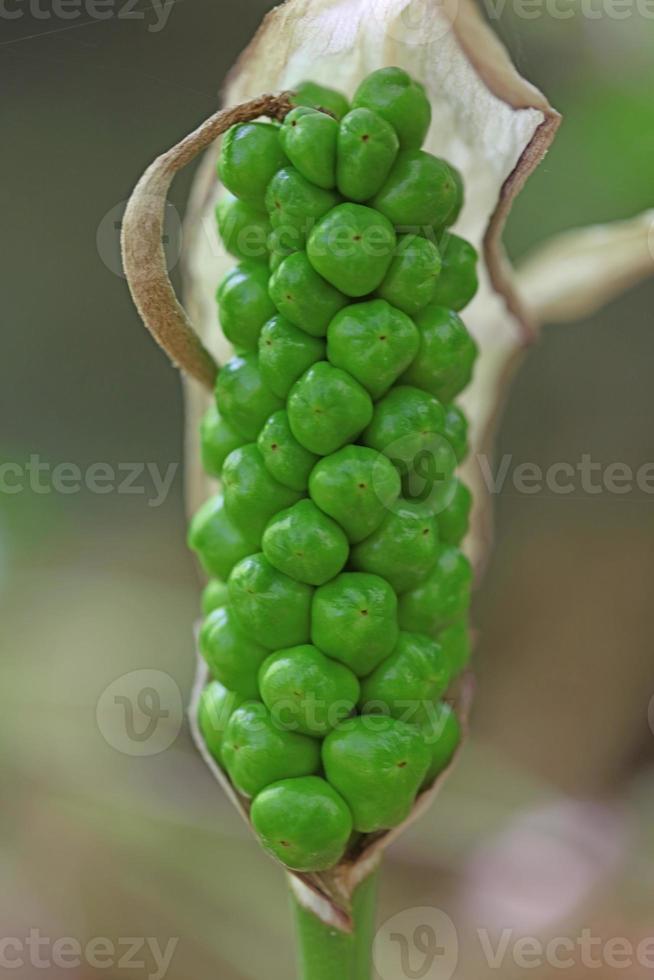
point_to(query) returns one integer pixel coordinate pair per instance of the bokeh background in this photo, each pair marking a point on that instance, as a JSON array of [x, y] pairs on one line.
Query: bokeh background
[[547, 826]]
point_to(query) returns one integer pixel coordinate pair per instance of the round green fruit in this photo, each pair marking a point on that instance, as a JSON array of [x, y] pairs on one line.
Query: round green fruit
[[419, 191], [356, 486], [320, 97], [252, 495], [308, 138], [455, 431], [285, 459], [217, 541], [306, 544], [377, 764], [367, 148], [327, 408], [304, 297], [233, 658], [407, 683], [454, 519], [214, 596], [402, 550], [216, 707], [404, 414], [285, 353], [307, 691], [257, 752], [295, 204], [374, 341], [270, 607], [250, 156], [457, 283], [243, 229], [217, 440], [352, 247], [354, 620], [244, 303], [441, 598], [413, 275], [303, 822], [400, 100], [243, 398], [444, 363], [442, 734]]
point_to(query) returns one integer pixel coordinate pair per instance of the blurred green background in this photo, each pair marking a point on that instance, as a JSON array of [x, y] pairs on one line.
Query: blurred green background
[[547, 825]]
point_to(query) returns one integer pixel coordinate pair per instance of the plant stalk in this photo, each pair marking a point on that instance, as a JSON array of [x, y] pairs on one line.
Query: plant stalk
[[327, 953]]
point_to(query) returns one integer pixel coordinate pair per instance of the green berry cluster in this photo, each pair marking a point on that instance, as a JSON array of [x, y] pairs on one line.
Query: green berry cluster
[[336, 613]]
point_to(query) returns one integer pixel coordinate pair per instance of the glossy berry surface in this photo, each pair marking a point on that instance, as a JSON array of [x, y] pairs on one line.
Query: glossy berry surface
[[303, 822], [258, 752], [377, 764], [400, 100], [352, 247], [327, 408], [354, 620], [374, 341], [307, 691], [336, 617]]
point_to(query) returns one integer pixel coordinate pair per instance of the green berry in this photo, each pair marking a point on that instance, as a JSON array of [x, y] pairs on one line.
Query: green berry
[[304, 297], [286, 460], [457, 207], [295, 204], [282, 242], [356, 486], [377, 764], [413, 275], [307, 691], [419, 191], [455, 641], [400, 100], [257, 752], [250, 156], [327, 408], [354, 620], [458, 282], [407, 683], [402, 550], [252, 495], [454, 519], [367, 148], [244, 399], [214, 596], [218, 542], [441, 598], [320, 97], [306, 544], [308, 138], [243, 229], [244, 303], [442, 734], [444, 363], [374, 341], [270, 607], [217, 440], [303, 822], [455, 431], [233, 658], [285, 353], [404, 414], [216, 707], [352, 247]]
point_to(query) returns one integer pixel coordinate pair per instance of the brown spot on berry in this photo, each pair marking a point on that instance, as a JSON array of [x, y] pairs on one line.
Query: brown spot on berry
[[365, 137], [401, 765], [364, 612]]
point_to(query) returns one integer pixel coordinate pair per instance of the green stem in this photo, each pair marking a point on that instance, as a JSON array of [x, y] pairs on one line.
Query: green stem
[[326, 953]]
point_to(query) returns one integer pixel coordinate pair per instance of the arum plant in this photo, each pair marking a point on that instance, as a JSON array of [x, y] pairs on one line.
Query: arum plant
[[295, 554]]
